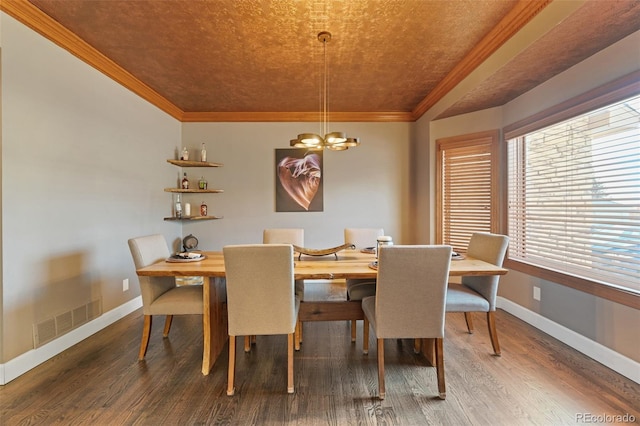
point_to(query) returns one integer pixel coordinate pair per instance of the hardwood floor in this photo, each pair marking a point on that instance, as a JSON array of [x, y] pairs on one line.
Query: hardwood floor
[[537, 381]]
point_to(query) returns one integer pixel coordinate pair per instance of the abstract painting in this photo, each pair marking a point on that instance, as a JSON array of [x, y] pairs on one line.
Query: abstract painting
[[298, 180]]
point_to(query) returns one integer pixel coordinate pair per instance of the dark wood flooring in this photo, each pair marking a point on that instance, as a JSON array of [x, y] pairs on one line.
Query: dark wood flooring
[[537, 381]]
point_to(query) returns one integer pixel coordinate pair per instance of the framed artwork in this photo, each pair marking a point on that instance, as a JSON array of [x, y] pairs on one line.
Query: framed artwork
[[298, 180]]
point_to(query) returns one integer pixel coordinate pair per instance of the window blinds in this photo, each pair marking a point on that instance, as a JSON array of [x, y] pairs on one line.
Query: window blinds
[[466, 197], [574, 195]]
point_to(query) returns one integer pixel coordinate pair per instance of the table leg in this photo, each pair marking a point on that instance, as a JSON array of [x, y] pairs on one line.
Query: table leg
[[214, 321]]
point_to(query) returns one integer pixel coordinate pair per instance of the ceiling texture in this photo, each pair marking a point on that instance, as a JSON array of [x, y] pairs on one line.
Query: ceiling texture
[[389, 60]]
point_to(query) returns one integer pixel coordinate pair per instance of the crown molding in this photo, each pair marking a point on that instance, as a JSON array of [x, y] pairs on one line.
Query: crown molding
[[35, 19], [40, 22], [518, 17], [295, 117]]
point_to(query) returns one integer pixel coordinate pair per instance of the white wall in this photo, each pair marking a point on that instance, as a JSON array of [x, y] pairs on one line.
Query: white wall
[[365, 186], [82, 171]]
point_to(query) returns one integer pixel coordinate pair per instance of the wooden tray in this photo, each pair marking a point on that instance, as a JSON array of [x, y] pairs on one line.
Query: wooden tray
[[322, 252]]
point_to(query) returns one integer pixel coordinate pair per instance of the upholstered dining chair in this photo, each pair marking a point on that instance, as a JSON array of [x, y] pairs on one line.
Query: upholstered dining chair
[[161, 295], [293, 236], [260, 298], [479, 294], [358, 289], [409, 301]]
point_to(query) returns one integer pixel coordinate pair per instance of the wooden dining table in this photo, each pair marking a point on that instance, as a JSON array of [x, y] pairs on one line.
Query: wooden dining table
[[342, 265]]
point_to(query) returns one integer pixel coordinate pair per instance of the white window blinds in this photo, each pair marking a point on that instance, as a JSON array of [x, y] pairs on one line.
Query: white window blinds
[[574, 196]]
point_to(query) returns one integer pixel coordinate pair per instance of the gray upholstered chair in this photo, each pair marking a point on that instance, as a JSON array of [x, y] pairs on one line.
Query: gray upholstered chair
[[293, 236], [409, 301], [160, 295], [358, 289], [261, 298], [478, 294]]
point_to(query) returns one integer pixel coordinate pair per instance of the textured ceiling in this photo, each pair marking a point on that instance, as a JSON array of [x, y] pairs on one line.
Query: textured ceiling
[[385, 55]]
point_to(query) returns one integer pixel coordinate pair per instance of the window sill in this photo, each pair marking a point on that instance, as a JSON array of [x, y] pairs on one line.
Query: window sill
[[623, 296]]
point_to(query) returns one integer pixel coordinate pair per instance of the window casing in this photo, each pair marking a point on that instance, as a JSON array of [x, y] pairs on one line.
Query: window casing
[[573, 197]]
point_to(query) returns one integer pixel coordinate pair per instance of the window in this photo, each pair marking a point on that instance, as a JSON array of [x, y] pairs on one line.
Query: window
[[467, 184], [574, 196]]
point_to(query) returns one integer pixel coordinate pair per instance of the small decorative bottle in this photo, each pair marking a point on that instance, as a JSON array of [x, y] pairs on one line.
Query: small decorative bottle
[[185, 182], [178, 207], [202, 183], [203, 209], [203, 153], [184, 155]]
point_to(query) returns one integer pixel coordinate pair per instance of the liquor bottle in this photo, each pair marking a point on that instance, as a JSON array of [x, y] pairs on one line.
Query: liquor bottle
[[203, 209], [184, 155], [178, 207], [203, 153], [185, 182], [202, 183]]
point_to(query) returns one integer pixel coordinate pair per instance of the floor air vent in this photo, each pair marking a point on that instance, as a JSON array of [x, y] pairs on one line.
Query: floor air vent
[[51, 328]]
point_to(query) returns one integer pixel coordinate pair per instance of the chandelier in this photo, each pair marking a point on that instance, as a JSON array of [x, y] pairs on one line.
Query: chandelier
[[336, 141]]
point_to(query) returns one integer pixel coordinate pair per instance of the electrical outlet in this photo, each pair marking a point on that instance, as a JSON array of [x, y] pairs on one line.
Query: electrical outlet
[[125, 284], [536, 293]]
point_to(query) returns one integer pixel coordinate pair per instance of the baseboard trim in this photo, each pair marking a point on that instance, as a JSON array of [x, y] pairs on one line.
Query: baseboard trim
[[25, 362], [608, 357]]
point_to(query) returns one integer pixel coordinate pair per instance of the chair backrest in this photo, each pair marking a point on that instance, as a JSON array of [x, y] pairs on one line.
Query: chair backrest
[[260, 289], [293, 236], [362, 237], [490, 248], [411, 291], [146, 251]]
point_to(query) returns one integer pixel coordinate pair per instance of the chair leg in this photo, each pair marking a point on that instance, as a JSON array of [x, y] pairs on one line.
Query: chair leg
[[442, 390], [146, 333], [417, 345], [493, 333], [290, 339], [381, 388], [354, 329], [296, 336], [167, 325], [232, 366], [365, 336], [247, 343], [299, 335], [469, 320]]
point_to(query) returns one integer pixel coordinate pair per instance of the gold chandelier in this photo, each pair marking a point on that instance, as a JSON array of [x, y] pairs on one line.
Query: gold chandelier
[[336, 141]]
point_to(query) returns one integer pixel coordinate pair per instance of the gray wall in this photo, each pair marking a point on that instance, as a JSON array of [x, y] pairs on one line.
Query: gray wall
[[84, 167], [608, 323], [81, 173], [365, 186]]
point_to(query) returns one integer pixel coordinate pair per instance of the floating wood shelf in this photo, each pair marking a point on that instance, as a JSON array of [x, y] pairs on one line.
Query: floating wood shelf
[[189, 163], [192, 218], [194, 191]]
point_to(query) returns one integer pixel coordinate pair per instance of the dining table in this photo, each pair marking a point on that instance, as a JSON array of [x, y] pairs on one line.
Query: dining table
[[345, 264]]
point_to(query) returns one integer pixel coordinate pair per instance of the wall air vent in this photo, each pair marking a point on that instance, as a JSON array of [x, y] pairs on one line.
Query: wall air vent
[[49, 329]]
